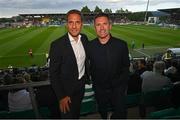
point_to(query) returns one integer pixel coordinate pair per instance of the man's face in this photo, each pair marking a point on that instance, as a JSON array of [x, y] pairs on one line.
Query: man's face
[[102, 27], [74, 24]]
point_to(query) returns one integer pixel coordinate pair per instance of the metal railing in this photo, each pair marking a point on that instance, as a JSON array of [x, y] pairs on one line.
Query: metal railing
[[30, 87]]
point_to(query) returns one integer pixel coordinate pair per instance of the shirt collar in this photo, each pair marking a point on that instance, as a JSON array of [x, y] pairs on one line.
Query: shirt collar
[[72, 39]]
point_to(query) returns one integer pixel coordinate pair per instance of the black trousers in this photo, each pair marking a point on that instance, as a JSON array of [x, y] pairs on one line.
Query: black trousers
[[76, 100], [111, 99]]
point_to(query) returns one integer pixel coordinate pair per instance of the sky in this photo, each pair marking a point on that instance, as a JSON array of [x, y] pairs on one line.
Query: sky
[[9, 8]]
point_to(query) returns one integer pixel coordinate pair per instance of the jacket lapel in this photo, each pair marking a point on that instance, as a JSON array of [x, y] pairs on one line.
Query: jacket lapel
[[70, 51], [84, 43]]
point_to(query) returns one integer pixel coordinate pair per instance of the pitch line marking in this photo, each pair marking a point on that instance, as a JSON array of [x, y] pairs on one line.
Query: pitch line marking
[[21, 55], [143, 53], [153, 48]]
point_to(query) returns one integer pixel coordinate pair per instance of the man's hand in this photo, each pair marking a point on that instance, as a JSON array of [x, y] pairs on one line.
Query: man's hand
[[64, 104]]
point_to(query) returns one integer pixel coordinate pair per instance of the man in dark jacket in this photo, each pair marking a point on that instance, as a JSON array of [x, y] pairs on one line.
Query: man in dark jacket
[[109, 69], [67, 66]]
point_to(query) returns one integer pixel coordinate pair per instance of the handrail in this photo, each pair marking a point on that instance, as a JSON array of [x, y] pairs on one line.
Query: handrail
[[29, 86], [24, 85]]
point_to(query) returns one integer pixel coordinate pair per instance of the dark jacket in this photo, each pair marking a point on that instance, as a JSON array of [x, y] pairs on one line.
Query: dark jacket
[[63, 67], [109, 63]]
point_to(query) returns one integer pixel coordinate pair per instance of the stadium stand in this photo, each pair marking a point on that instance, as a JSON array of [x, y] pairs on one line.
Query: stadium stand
[[44, 111], [30, 114], [174, 15], [171, 112], [157, 100], [39, 79]]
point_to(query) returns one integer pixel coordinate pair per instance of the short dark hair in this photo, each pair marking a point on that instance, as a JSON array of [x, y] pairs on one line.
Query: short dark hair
[[142, 61], [101, 14], [74, 11]]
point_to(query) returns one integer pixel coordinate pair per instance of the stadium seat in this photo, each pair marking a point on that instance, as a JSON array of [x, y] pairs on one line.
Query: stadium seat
[[2, 106], [133, 100], [44, 113], [157, 99], [88, 104], [169, 113]]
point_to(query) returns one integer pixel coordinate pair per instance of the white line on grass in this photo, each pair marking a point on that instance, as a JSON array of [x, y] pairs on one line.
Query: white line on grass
[[151, 47], [142, 53], [21, 55]]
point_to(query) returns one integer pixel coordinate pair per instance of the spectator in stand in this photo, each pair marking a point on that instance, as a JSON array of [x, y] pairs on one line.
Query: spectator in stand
[[149, 65], [19, 99], [7, 79], [43, 75], [134, 82], [141, 66], [172, 69], [173, 72], [27, 77], [167, 56], [155, 80]]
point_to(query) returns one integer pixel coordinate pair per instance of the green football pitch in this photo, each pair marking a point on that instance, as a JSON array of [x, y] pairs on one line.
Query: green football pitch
[[15, 42]]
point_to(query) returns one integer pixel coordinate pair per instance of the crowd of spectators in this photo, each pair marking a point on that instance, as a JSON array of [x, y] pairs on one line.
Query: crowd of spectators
[[145, 75], [149, 75], [19, 99]]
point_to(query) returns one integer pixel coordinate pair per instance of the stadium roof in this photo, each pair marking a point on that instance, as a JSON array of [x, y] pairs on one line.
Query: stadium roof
[[170, 10], [52, 14], [44, 14], [63, 15], [174, 14], [159, 13]]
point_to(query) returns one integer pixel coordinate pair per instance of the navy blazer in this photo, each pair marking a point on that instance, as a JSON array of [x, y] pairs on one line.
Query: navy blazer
[[63, 66]]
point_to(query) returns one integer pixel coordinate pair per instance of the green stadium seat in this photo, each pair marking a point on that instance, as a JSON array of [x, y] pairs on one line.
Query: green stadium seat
[[2, 106], [158, 99], [88, 104], [165, 114], [133, 100], [44, 113]]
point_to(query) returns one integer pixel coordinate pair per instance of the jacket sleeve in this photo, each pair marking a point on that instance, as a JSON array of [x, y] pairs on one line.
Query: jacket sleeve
[[55, 70], [124, 74]]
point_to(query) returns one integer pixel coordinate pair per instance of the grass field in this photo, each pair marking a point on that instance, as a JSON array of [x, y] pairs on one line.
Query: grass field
[[15, 42]]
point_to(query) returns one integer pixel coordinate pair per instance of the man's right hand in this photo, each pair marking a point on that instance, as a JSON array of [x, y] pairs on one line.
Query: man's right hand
[[64, 104]]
